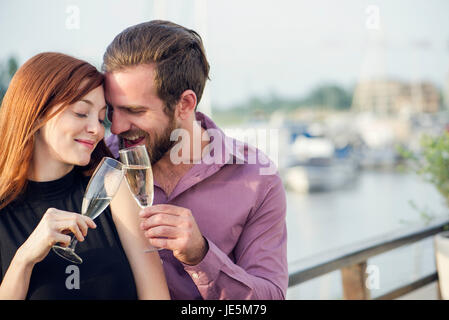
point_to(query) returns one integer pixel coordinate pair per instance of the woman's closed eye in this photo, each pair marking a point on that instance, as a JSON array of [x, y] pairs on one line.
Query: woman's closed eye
[[81, 115]]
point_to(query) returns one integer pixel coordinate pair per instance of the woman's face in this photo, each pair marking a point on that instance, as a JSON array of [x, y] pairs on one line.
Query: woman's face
[[72, 135]]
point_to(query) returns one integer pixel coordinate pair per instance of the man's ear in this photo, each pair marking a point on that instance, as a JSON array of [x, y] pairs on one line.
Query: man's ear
[[186, 105]]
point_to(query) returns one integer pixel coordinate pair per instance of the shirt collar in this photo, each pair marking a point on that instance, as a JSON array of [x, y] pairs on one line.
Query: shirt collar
[[223, 149]]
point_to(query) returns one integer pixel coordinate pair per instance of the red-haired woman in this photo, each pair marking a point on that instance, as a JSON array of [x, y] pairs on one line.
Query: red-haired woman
[[51, 128]]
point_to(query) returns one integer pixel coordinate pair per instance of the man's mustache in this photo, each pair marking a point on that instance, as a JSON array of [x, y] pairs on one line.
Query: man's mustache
[[129, 135]]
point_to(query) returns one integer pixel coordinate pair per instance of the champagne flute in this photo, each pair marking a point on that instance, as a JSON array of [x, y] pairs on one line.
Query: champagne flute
[[102, 187], [139, 176]]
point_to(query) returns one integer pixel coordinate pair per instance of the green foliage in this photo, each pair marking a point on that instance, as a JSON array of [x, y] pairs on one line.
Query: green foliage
[[329, 96], [425, 213], [432, 161], [322, 97], [7, 71]]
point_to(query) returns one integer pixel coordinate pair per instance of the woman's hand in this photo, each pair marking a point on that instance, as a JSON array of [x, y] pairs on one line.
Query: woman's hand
[[53, 228]]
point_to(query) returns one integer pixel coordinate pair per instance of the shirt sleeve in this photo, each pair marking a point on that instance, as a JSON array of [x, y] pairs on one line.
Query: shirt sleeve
[[260, 269], [113, 144]]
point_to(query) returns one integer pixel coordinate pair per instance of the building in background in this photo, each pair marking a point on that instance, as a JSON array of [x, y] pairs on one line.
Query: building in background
[[392, 97]]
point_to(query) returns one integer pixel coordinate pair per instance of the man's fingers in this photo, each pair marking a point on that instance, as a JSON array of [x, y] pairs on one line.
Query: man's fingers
[[160, 208], [161, 232], [160, 219], [163, 243]]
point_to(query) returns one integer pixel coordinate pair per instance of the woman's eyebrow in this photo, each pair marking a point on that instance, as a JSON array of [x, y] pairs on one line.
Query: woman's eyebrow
[[91, 103], [87, 101]]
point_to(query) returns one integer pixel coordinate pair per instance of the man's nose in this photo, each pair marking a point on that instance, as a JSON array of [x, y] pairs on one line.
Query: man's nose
[[120, 123]]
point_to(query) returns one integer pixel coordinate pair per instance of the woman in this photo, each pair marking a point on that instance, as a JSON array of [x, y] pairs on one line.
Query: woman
[[51, 128]]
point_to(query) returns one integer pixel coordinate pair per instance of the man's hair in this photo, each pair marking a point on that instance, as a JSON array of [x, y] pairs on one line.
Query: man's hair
[[176, 52]]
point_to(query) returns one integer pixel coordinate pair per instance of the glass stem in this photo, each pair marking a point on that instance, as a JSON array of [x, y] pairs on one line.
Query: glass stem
[[73, 243]]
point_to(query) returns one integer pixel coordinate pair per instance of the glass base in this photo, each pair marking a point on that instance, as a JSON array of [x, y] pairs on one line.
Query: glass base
[[67, 254]]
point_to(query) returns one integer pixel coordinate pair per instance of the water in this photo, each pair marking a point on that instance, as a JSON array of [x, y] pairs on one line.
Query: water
[[377, 203]]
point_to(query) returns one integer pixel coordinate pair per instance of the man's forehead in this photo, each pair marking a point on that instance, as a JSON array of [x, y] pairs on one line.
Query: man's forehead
[[130, 83], [129, 78], [146, 71]]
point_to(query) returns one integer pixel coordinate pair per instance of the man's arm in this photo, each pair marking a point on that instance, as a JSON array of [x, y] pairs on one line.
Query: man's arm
[[260, 269]]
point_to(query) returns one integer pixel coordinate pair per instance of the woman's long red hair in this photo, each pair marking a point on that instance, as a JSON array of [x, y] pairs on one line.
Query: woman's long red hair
[[44, 81]]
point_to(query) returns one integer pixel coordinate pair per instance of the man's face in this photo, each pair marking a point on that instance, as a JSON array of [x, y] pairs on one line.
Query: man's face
[[138, 113]]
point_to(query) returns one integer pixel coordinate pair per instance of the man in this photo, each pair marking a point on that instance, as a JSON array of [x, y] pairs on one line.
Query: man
[[220, 221]]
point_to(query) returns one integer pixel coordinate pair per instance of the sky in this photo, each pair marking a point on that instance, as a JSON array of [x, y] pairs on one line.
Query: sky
[[255, 47]]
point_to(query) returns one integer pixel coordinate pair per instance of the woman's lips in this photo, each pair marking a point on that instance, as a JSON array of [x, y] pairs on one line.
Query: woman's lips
[[89, 144]]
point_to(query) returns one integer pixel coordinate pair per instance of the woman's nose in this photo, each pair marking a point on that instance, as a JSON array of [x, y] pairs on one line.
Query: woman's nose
[[95, 127]]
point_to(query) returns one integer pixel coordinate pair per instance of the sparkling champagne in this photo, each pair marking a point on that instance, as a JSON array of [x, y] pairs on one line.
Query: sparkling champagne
[[140, 182], [93, 207]]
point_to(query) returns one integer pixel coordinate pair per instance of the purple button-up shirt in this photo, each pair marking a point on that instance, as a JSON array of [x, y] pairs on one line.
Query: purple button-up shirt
[[241, 213]]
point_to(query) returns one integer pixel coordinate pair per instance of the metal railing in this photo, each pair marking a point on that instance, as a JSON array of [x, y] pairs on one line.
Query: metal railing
[[352, 261]]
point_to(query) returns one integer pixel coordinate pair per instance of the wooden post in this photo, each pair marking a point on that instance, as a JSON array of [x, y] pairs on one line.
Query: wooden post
[[354, 282], [440, 297]]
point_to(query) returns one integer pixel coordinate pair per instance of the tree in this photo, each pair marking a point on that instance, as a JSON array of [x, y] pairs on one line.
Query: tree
[[329, 96], [6, 73]]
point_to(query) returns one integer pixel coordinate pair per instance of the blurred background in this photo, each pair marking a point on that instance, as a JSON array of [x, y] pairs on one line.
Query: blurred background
[[343, 84]]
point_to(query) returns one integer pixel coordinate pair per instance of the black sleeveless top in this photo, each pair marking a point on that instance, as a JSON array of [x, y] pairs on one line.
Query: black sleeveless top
[[105, 272]]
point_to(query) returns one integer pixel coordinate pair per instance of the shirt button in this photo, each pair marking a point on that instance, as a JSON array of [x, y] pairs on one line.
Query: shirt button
[[195, 275]]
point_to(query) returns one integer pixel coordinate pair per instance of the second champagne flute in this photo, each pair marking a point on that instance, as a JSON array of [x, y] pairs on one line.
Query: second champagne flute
[[100, 190], [139, 176]]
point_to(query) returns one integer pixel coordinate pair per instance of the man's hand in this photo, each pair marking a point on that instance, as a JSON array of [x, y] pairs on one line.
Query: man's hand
[[174, 228]]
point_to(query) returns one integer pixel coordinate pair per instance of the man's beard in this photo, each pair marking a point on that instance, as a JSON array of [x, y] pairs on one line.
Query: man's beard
[[160, 144]]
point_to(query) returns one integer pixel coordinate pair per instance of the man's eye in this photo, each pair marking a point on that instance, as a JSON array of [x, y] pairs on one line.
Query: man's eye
[[134, 111]]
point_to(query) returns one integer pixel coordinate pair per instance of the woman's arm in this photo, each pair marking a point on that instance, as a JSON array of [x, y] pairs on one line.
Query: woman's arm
[[17, 279], [50, 230], [146, 267]]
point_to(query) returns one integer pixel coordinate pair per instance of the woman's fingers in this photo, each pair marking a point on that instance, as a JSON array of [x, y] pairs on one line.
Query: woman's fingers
[[55, 227], [61, 239], [85, 223], [60, 227], [72, 222], [66, 215], [89, 222]]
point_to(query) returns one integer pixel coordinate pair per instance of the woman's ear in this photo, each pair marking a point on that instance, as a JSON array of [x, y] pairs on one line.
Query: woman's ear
[[186, 105]]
